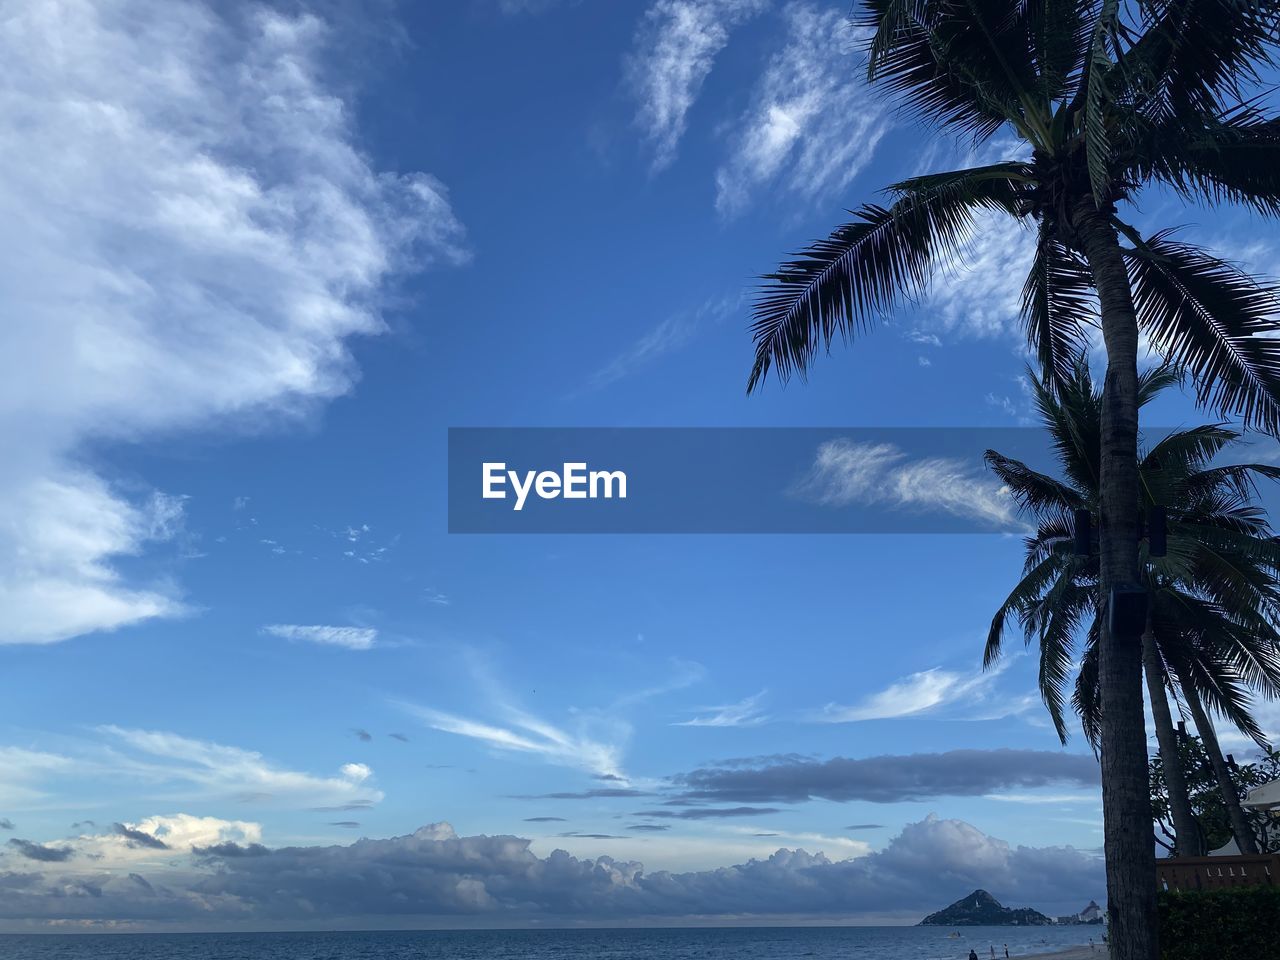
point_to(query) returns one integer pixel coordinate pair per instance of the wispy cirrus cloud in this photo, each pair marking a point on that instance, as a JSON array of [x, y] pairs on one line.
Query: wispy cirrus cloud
[[668, 336], [813, 123], [913, 695], [744, 713], [194, 234], [161, 764], [226, 772], [847, 472], [675, 48], [524, 733], [351, 638]]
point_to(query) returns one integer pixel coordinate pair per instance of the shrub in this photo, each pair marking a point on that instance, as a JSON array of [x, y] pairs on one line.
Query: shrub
[[1235, 924]]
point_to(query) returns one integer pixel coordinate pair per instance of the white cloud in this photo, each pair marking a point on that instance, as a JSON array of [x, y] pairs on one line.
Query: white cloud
[[813, 124], [744, 713], [529, 734], [676, 47], [182, 831], [22, 771], [245, 775], [356, 772], [353, 638], [915, 694], [669, 335], [192, 234], [1046, 798], [847, 472], [484, 880], [978, 292]]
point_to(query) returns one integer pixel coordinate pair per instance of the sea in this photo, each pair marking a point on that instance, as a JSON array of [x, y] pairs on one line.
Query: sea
[[719, 943]]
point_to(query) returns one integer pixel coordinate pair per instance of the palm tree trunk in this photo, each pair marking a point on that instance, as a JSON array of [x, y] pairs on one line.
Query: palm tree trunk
[[1240, 829], [1188, 841], [1129, 837]]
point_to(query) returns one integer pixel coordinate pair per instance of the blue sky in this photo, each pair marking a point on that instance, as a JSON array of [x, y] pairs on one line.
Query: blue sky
[[269, 254]]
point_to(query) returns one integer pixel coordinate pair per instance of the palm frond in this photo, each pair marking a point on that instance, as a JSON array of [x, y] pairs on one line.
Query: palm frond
[[1230, 159], [1036, 493], [962, 63], [1087, 698], [1206, 315], [1057, 303], [1023, 597], [1192, 55], [840, 284]]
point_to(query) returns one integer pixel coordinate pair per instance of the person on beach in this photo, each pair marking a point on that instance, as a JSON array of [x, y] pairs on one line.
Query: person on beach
[[1091, 945], [973, 954], [1006, 952]]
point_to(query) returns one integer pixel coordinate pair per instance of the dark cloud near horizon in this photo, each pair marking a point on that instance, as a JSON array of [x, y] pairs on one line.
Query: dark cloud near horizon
[[545, 820], [590, 836], [345, 807], [650, 827], [498, 880], [363, 735], [231, 851], [886, 779], [865, 826], [142, 881], [398, 736], [344, 823], [6, 824], [595, 794], [138, 838], [707, 813], [41, 853]]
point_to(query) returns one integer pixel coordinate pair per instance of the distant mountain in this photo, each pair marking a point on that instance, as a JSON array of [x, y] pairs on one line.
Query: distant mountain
[[981, 909]]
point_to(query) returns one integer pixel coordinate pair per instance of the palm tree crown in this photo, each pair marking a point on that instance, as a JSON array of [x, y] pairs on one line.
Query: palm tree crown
[[1216, 601], [1106, 107]]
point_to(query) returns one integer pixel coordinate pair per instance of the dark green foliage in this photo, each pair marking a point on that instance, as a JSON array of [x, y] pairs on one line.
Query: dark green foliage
[[1206, 797], [1236, 924], [1215, 597]]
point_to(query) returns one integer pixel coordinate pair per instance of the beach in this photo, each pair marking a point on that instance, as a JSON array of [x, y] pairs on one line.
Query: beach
[[1075, 953]]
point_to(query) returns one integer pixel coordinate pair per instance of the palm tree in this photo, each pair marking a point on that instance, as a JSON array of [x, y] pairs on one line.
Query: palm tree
[[1106, 98], [1214, 599]]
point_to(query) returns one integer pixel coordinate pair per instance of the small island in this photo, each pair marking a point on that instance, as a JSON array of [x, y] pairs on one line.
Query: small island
[[981, 909]]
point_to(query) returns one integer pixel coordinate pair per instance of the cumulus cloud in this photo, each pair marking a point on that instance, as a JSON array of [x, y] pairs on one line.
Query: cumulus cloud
[[887, 779], [192, 236], [849, 472], [675, 49], [434, 873], [352, 638], [813, 123]]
